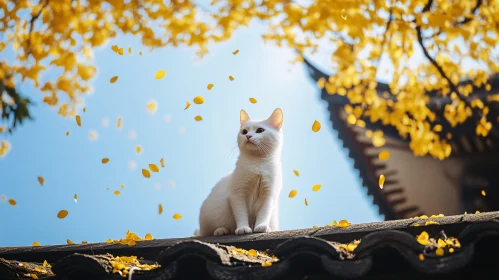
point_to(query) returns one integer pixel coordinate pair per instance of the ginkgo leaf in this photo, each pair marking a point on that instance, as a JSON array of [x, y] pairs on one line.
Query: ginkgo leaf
[[343, 223], [198, 118], [41, 180], [121, 51], [93, 135], [78, 120], [105, 160], [160, 209], [187, 105], [162, 162], [129, 50], [384, 155], [235, 52], [84, 242], [12, 202], [75, 197], [146, 173], [138, 149], [484, 193], [84, 109], [252, 100], [316, 187], [153, 167], [297, 173], [113, 79], [344, 14], [210, 86], [67, 133], [123, 186], [231, 78], [160, 74], [292, 193], [62, 214], [116, 192], [140, 53], [152, 106], [316, 126], [118, 123], [70, 242], [198, 100], [45, 263], [35, 244], [177, 216], [148, 236], [115, 48], [381, 181]]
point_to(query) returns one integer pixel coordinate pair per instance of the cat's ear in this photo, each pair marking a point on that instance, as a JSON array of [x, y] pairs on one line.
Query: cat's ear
[[244, 117], [275, 120]]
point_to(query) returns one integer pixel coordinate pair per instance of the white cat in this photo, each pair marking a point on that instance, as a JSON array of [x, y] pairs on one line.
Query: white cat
[[246, 200]]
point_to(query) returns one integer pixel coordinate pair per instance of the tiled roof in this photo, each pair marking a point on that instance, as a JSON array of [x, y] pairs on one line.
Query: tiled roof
[[387, 250]]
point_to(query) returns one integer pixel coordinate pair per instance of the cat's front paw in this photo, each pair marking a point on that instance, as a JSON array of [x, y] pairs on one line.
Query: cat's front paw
[[262, 228], [243, 230], [221, 231]]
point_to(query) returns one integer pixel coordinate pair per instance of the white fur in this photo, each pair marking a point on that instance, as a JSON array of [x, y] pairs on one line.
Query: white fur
[[246, 200]]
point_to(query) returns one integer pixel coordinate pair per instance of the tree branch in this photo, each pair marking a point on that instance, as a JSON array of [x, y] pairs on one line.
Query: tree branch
[[31, 26]]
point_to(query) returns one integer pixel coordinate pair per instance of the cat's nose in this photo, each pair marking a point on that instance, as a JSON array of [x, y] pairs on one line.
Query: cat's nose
[[248, 137]]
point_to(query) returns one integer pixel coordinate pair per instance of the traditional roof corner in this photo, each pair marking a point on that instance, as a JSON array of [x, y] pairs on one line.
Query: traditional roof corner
[[433, 247]]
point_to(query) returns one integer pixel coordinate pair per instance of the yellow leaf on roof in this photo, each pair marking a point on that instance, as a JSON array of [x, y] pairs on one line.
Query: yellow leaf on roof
[[177, 216], [162, 162], [210, 86], [231, 78], [78, 120], [146, 173], [292, 193], [335, 223], [441, 243], [41, 180], [316, 126], [160, 74], [153, 167], [316, 187], [198, 100], [439, 252], [62, 214], [421, 257], [131, 243], [105, 160], [235, 52], [116, 192], [266, 264], [33, 276], [35, 244], [198, 118], [160, 209], [252, 100], [344, 223], [148, 236], [381, 181], [423, 238], [252, 253], [384, 155], [12, 202], [297, 173], [70, 242], [113, 79]]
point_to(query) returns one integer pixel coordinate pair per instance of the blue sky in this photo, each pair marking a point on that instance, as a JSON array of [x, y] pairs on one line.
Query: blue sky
[[196, 159]]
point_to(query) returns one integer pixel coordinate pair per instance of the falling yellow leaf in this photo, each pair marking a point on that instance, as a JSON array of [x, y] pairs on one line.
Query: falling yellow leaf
[[148, 236], [210, 86], [292, 193], [187, 105], [381, 181], [266, 264], [35, 244], [160, 74], [160, 209], [12, 202], [129, 50], [146, 173], [75, 197], [62, 214], [198, 118], [70, 242], [67, 133], [421, 257], [118, 123], [105, 160], [116, 192], [162, 162], [484, 193], [131, 243], [177, 216], [78, 120], [93, 135], [344, 14], [152, 106], [235, 52], [344, 223], [384, 155], [252, 100], [140, 53], [153, 167], [316, 188], [231, 78], [115, 48], [198, 100], [113, 79], [123, 186], [138, 149], [84, 109], [306, 202], [316, 126], [121, 51], [41, 180], [297, 173]]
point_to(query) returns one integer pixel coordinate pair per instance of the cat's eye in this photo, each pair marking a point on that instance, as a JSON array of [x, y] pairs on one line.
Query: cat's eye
[[260, 130], [244, 132]]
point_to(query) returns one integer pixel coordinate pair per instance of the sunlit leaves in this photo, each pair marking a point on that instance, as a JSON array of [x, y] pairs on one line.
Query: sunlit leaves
[[105, 160], [198, 118], [198, 100], [316, 126], [153, 167], [12, 202], [177, 216], [146, 173], [41, 180], [210, 86], [252, 100], [62, 214], [113, 79], [292, 193], [4, 148], [316, 187], [160, 74]]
